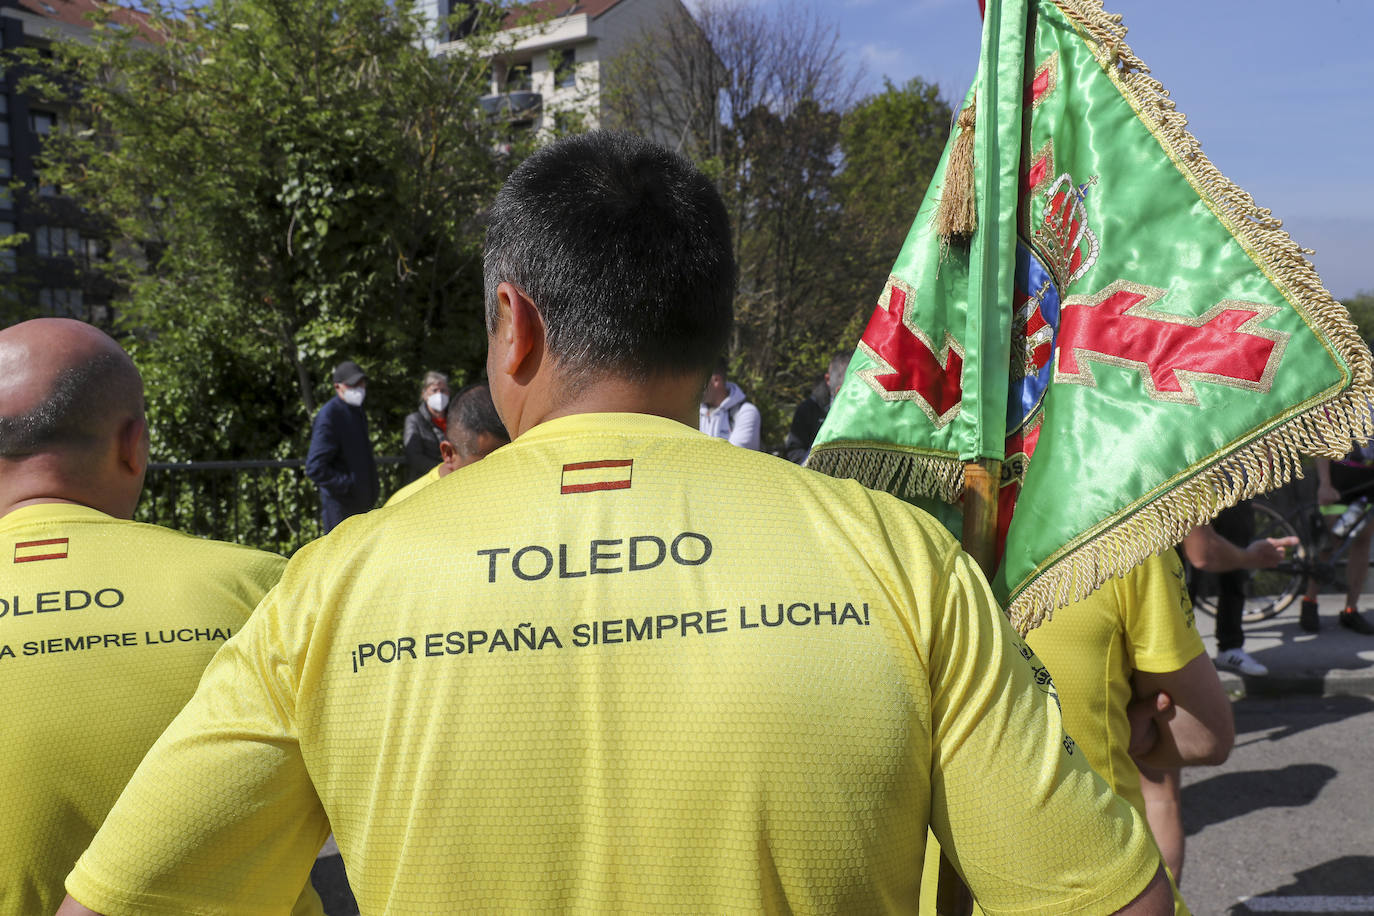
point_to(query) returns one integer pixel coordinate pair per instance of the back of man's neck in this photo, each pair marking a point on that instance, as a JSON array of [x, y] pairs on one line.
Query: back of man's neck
[[673, 398], [44, 480]]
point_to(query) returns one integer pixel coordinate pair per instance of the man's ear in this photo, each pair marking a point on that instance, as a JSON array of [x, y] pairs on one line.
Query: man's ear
[[132, 445], [519, 333], [448, 455]]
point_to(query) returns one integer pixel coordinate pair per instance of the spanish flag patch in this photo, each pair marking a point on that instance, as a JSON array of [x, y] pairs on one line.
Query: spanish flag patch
[[51, 549], [590, 476]]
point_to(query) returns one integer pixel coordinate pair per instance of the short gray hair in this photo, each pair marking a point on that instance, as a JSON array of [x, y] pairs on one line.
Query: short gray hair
[[431, 378]]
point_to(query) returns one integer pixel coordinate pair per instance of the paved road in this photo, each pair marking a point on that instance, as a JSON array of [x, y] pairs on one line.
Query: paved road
[[1286, 826]]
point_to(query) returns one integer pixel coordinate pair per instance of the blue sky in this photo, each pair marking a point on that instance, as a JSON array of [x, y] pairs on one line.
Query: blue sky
[[1279, 92]]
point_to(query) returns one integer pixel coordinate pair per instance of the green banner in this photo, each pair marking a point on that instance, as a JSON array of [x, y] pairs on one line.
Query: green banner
[[1136, 341]]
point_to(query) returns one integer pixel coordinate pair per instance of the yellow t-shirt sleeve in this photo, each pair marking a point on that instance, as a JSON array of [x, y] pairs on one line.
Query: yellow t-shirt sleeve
[[1158, 615], [1014, 803], [228, 773]]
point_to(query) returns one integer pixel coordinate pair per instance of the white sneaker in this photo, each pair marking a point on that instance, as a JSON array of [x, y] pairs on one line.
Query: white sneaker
[[1239, 660]]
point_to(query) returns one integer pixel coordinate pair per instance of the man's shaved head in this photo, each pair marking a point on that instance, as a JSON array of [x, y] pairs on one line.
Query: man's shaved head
[[64, 386], [473, 429], [72, 428], [470, 414]]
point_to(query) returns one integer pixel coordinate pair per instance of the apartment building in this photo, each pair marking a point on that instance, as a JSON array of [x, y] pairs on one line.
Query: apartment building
[[50, 273], [558, 64]]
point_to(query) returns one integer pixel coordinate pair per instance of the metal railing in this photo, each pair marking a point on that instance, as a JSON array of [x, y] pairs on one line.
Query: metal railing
[[270, 505]]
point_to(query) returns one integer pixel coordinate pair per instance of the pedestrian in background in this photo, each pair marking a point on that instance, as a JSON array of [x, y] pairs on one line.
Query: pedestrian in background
[[810, 413], [472, 431], [727, 414], [424, 428], [340, 460]]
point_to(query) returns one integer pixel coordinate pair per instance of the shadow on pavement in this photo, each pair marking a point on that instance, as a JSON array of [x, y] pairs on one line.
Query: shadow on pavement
[[1228, 795], [1344, 885], [1255, 715]]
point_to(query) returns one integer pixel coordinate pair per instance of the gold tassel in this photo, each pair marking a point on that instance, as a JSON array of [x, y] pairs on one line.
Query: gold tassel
[[957, 215]]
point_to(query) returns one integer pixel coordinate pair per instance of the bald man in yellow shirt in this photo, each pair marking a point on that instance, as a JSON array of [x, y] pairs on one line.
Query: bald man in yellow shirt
[[105, 624]]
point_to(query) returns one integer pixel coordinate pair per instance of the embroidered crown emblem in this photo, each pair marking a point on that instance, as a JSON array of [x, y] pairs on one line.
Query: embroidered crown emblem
[[1069, 246]]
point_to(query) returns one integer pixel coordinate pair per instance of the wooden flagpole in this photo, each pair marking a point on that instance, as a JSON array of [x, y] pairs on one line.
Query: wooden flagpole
[[981, 478]]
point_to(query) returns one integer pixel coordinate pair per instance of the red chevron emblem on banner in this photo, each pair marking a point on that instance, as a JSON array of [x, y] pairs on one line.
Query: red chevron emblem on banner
[[1117, 326], [907, 365]]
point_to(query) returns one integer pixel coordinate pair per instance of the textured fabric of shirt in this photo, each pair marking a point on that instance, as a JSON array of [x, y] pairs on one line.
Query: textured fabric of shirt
[[105, 628], [621, 666], [415, 486]]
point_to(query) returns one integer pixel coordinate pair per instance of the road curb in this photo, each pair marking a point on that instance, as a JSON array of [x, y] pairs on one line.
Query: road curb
[[1329, 663], [1311, 682]]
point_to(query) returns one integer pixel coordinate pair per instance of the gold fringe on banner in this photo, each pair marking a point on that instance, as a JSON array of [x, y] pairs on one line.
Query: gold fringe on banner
[[906, 474], [1327, 429], [1163, 520]]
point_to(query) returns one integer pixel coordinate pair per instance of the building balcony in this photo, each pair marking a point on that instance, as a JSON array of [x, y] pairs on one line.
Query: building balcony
[[516, 107]]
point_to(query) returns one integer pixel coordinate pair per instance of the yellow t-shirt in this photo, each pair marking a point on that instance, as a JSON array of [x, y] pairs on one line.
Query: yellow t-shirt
[[415, 486], [105, 628], [622, 666], [1142, 621]]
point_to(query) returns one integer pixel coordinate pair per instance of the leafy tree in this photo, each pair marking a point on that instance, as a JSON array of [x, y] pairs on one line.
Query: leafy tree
[[289, 184], [821, 189], [1361, 306], [754, 96], [890, 143]]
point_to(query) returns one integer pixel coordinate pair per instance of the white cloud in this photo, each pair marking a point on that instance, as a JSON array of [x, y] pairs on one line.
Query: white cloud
[[881, 58]]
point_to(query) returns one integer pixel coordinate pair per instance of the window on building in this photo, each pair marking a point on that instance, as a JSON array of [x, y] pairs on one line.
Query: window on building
[[42, 122], [564, 68], [61, 303], [57, 241], [465, 14], [519, 78], [7, 255], [6, 173]]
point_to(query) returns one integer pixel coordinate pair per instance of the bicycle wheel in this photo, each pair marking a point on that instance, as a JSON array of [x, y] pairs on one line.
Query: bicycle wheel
[[1267, 591]]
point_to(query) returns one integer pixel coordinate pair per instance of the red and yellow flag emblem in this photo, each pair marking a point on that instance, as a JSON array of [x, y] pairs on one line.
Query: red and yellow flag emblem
[[50, 549], [591, 476]]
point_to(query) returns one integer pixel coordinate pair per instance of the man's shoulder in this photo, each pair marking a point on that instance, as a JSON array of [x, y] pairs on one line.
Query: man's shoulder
[[808, 407], [131, 543], [328, 411], [415, 486], [206, 549]]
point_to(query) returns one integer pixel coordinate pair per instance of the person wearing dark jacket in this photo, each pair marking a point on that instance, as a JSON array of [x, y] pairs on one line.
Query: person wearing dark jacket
[[810, 413], [340, 461], [424, 428]]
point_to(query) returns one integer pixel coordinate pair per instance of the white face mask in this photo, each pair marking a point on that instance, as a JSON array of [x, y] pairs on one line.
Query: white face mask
[[353, 397], [437, 401]]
